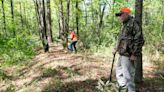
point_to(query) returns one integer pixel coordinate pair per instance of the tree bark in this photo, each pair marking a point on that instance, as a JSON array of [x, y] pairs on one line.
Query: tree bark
[[12, 10], [138, 17], [67, 18], [49, 29], [37, 12], [61, 20], [44, 20], [4, 16], [42, 16], [77, 17], [20, 6], [86, 14], [113, 13], [101, 23], [12, 16]]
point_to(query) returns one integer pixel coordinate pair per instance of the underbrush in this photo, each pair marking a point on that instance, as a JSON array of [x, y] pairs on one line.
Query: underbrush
[[16, 50]]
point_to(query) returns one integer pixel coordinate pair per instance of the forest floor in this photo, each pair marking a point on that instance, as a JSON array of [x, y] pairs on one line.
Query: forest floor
[[60, 71]]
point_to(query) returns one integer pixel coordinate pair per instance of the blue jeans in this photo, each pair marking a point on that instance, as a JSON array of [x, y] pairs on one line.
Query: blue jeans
[[72, 46]]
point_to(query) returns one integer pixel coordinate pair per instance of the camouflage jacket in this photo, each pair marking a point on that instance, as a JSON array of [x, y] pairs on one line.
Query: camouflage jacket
[[130, 40]]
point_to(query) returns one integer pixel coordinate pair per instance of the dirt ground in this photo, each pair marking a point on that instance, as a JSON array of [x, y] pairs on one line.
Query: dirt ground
[[60, 71]]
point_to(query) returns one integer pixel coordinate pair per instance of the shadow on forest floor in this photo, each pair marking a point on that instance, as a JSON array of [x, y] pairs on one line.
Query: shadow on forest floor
[[59, 71]]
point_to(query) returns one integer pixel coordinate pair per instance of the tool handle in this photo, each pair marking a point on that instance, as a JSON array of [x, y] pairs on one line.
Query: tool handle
[[110, 77]]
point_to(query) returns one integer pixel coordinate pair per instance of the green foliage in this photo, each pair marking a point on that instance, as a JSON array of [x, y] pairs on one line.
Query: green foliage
[[17, 49], [49, 72], [3, 75], [54, 84], [106, 86], [20, 37], [10, 88]]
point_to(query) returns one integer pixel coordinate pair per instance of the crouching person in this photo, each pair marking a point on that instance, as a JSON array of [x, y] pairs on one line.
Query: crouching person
[[74, 38]]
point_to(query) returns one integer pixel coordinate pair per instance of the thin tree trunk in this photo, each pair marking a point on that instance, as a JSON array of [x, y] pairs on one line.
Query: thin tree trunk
[[12, 16], [62, 16], [113, 13], [162, 13], [37, 11], [67, 24], [162, 26], [101, 23], [138, 17], [25, 17], [49, 29], [86, 14], [61, 20], [67, 18], [44, 19], [4, 16], [77, 17], [42, 29], [12, 10], [21, 16]]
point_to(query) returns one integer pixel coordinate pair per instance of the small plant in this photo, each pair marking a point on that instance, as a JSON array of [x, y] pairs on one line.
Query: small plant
[[106, 86], [11, 88], [49, 72], [71, 72], [3, 75], [53, 86]]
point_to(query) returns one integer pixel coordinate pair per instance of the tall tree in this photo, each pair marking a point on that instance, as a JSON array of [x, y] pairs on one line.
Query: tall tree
[[37, 13], [138, 17], [21, 16], [12, 16], [100, 24], [4, 16], [44, 19], [12, 9], [67, 20], [61, 19], [77, 17], [162, 13], [43, 22], [25, 16], [86, 14], [49, 29]]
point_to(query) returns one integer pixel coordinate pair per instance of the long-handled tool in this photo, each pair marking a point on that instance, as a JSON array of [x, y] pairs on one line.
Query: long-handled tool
[[110, 77]]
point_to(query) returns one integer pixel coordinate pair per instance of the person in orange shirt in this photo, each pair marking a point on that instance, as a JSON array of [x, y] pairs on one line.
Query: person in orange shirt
[[74, 39]]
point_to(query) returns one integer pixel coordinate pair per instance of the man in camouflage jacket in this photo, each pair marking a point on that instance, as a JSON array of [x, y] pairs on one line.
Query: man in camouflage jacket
[[129, 46]]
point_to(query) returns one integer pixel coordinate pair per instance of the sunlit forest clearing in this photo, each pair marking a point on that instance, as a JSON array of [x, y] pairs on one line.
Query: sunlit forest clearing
[[34, 45]]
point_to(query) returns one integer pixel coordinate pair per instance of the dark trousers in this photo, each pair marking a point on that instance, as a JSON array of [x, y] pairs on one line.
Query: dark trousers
[[72, 46]]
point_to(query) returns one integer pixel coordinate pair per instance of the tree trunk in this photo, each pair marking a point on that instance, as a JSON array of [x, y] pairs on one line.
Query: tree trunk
[[100, 23], [77, 17], [20, 6], [162, 30], [49, 29], [26, 18], [138, 17], [42, 29], [61, 20], [4, 16], [44, 19], [67, 20], [162, 13], [86, 14], [12, 16], [113, 13], [12, 10], [37, 10]]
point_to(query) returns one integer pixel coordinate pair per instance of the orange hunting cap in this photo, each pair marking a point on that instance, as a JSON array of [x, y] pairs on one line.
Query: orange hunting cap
[[123, 10]]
